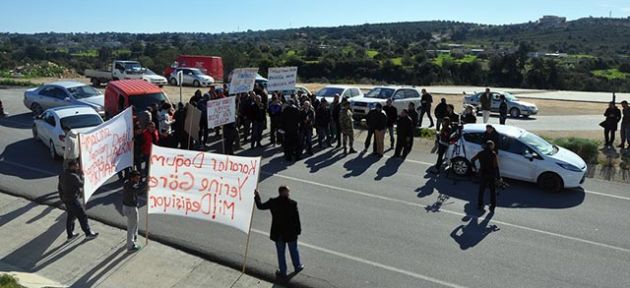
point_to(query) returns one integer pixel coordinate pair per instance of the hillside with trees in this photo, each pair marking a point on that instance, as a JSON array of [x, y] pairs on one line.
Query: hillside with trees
[[591, 54]]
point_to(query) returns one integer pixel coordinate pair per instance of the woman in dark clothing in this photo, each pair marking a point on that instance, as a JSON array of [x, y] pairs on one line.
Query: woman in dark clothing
[[613, 115]]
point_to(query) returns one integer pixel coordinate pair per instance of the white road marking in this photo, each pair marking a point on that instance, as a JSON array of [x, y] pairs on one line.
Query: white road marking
[[585, 241], [372, 263]]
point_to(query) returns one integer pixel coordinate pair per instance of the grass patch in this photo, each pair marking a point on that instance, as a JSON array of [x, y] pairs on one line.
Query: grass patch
[[92, 53], [372, 53], [14, 82], [610, 74], [8, 281], [585, 148], [291, 53], [440, 59], [396, 61]]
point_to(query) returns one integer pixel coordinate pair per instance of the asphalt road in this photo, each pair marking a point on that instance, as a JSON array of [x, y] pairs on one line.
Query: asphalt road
[[371, 222]]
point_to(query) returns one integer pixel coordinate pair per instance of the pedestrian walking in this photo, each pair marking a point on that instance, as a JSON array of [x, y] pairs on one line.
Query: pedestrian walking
[[486, 105], [440, 113], [625, 125], [613, 116], [425, 106], [404, 134], [285, 228], [444, 138], [380, 126], [503, 110], [132, 188], [392, 116], [70, 191], [345, 121], [488, 172]]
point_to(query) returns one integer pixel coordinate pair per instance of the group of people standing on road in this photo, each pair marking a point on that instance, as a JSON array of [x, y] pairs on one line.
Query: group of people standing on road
[[613, 116]]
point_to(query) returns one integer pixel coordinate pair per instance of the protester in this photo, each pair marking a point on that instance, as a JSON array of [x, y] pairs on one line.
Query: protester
[[138, 143], [285, 228], [258, 121], [452, 116], [488, 172], [503, 110], [491, 134], [290, 125], [322, 120], [155, 113], [380, 125], [150, 136], [444, 138], [425, 106], [486, 104], [404, 134], [440, 113], [166, 125], [392, 116], [345, 121], [335, 111], [71, 146], [275, 110], [132, 188], [144, 117], [625, 125], [202, 105], [370, 121], [469, 117], [613, 115], [180, 136], [307, 117], [70, 191], [194, 100]]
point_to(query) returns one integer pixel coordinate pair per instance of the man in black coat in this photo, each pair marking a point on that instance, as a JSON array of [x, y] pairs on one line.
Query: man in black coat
[[440, 113], [392, 117], [425, 106], [404, 130], [70, 190], [488, 172], [285, 227], [492, 135], [370, 120], [290, 125]]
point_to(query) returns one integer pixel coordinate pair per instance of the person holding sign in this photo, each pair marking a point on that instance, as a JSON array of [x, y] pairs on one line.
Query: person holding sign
[[285, 227]]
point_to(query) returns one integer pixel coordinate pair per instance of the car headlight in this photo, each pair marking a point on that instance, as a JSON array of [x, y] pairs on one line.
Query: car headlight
[[569, 167]]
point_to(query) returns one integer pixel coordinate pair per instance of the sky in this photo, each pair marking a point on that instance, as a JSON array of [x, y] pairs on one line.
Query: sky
[[154, 16]]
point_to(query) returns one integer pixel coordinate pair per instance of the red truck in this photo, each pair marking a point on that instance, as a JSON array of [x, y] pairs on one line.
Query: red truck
[[209, 65], [137, 93]]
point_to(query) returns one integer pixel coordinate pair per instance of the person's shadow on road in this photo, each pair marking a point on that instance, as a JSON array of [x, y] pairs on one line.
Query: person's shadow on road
[[472, 233], [359, 164], [389, 169], [323, 160]]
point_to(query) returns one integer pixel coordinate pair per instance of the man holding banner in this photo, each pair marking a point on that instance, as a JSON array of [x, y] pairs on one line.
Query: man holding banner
[[70, 189]]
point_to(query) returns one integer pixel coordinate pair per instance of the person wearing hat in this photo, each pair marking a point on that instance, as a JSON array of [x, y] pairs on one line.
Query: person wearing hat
[[70, 191], [131, 189], [488, 173]]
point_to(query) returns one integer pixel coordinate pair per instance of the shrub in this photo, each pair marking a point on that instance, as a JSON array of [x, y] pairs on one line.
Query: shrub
[[8, 281], [425, 133], [13, 82], [585, 148]]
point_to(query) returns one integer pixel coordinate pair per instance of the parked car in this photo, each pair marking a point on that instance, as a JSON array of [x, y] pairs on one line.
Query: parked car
[[329, 92], [298, 89], [153, 78], [209, 65], [191, 76], [48, 127], [516, 107], [137, 93], [118, 70], [64, 93], [400, 95], [523, 156]]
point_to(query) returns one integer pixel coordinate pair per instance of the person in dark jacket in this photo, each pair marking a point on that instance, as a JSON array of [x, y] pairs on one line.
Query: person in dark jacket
[[469, 117], [202, 105], [444, 139], [488, 172], [440, 113], [454, 117], [380, 126], [290, 125], [625, 125], [138, 141], [70, 191], [370, 121], [613, 115], [131, 189], [285, 227], [258, 121], [485, 100], [503, 110], [179, 134], [392, 116], [275, 111], [413, 114], [322, 123], [404, 130], [307, 120], [491, 134], [335, 110], [425, 106]]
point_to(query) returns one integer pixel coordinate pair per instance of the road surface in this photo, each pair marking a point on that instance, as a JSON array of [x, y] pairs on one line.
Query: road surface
[[371, 222]]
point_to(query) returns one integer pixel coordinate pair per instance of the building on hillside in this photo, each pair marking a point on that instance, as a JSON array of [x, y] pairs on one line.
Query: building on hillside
[[551, 21]]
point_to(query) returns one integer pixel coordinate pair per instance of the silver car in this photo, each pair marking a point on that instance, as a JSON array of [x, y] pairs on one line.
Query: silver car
[[191, 76], [516, 107], [64, 93]]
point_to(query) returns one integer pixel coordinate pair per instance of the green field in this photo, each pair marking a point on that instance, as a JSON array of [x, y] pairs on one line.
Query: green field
[[86, 53], [440, 59], [372, 53], [610, 74], [397, 61]]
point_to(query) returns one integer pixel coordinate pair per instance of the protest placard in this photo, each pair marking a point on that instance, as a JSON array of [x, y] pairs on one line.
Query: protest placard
[[191, 124], [106, 150], [281, 78], [243, 80], [221, 111], [212, 187]]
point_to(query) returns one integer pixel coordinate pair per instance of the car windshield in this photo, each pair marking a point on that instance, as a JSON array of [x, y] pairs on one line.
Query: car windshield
[[133, 66], [382, 93], [81, 121], [83, 92], [510, 97], [148, 71], [197, 72], [329, 92], [141, 102], [538, 143]]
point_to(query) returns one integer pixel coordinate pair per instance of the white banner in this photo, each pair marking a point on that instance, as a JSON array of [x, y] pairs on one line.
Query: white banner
[[106, 150], [243, 80], [281, 78], [221, 111], [211, 187]]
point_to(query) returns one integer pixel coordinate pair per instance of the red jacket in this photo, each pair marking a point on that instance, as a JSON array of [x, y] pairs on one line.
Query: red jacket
[[148, 140]]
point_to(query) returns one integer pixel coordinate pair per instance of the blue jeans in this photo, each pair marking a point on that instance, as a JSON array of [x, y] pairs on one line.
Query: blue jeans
[[293, 250]]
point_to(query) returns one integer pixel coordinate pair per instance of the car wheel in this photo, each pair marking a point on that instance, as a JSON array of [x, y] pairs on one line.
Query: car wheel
[[515, 113], [37, 109], [173, 81], [460, 166], [35, 135], [196, 83], [550, 182], [53, 152]]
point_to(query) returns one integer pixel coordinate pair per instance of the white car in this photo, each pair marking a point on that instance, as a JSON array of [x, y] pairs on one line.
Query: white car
[[48, 126], [153, 78], [63, 93], [400, 95], [191, 76], [344, 91], [522, 156]]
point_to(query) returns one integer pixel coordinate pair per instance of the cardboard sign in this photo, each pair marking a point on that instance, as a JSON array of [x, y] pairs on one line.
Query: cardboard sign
[[282, 78], [243, 80], [106, 150], [211, 187], [221, 111], [193, 118]]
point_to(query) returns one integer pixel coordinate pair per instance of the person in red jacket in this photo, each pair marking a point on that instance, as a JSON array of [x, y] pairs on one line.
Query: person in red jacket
[[150, 136]]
